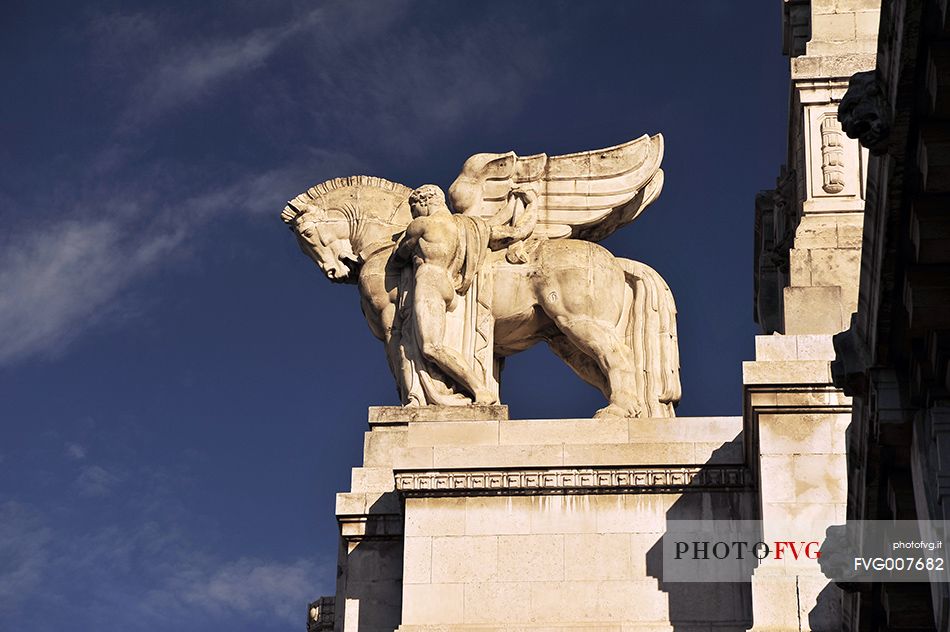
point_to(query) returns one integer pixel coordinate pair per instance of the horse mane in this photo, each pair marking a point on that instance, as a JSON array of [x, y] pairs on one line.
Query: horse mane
[[318, 191], [323, 188]]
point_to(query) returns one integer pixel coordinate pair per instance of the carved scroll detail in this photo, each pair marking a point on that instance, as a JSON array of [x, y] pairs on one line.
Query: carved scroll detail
[[832, 156]]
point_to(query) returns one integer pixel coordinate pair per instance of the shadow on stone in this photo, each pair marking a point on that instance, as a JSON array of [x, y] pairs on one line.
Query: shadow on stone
[[375, 554], [724, 607]]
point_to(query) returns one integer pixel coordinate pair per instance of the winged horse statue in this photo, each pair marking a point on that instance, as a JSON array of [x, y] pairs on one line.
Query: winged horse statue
[[454, 284]]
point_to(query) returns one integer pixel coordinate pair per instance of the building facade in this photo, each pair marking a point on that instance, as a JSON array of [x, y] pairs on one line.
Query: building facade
[[893, 358]]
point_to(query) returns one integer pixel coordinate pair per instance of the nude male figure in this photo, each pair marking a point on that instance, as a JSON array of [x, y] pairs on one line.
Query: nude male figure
[[432, 243]]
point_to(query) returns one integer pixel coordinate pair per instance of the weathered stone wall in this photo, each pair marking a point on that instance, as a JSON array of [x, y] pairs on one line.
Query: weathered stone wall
[[560, 561]]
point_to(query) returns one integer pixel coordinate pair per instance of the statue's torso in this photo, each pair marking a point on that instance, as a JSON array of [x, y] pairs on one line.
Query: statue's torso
[[438, 240]]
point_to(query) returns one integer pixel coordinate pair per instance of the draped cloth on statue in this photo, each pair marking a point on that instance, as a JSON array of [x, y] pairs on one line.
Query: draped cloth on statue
[[469, 325]]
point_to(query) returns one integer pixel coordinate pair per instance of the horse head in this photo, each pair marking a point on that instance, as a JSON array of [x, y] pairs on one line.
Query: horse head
[[341, 220], [324, 236]]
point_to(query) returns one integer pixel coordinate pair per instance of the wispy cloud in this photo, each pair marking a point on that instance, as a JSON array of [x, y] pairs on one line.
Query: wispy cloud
[[75, 451], [415, 85], [57, 279], [96, 481], [372, 80], [61, 278], [248, 588], [24, 549], [145, 558], [196, 70], [141, 576]]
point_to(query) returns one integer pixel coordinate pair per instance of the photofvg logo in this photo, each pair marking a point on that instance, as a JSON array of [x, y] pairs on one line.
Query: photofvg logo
[[740, 549], [726, 550], [860, 551]]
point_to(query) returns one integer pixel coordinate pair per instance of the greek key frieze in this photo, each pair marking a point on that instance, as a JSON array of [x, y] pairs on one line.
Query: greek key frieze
[[571, 480]]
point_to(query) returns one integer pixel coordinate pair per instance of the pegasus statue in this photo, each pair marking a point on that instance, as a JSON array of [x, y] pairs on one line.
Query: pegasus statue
[[454, 284]]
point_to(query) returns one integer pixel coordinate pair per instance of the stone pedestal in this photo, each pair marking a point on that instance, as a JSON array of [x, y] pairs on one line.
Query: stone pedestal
[[494, 524]]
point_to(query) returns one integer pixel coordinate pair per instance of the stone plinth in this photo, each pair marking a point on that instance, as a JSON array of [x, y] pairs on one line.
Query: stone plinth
[[494, 524], [402, 415]]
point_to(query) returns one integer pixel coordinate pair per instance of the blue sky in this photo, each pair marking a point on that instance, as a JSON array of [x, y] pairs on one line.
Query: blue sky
[[181, 391]]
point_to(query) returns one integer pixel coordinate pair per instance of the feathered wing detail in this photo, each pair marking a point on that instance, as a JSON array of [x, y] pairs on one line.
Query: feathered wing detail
[[587, 195]]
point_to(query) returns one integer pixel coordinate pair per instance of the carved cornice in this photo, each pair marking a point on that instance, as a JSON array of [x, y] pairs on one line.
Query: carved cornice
[[601, 480]]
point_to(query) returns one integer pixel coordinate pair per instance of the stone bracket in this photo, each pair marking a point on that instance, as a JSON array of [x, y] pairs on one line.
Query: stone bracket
[[356, 528], [602, 480]]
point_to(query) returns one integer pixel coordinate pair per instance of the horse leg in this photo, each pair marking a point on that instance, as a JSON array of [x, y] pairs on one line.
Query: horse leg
[[582, 364], [599, 340], [381, 326]]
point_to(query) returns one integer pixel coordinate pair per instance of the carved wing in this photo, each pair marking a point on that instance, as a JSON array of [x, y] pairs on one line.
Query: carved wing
[[587, 195]]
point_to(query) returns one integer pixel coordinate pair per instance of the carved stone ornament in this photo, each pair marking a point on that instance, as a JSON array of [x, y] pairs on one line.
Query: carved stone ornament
[[832, 156], [453, 286], [604, 480]]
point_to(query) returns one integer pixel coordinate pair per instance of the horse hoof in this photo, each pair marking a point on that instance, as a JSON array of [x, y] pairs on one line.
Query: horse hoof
[[485, 398], [612, 411], [616, 410]]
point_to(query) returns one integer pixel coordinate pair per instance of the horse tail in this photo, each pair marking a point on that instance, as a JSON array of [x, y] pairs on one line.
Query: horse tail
[[651, 333]]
